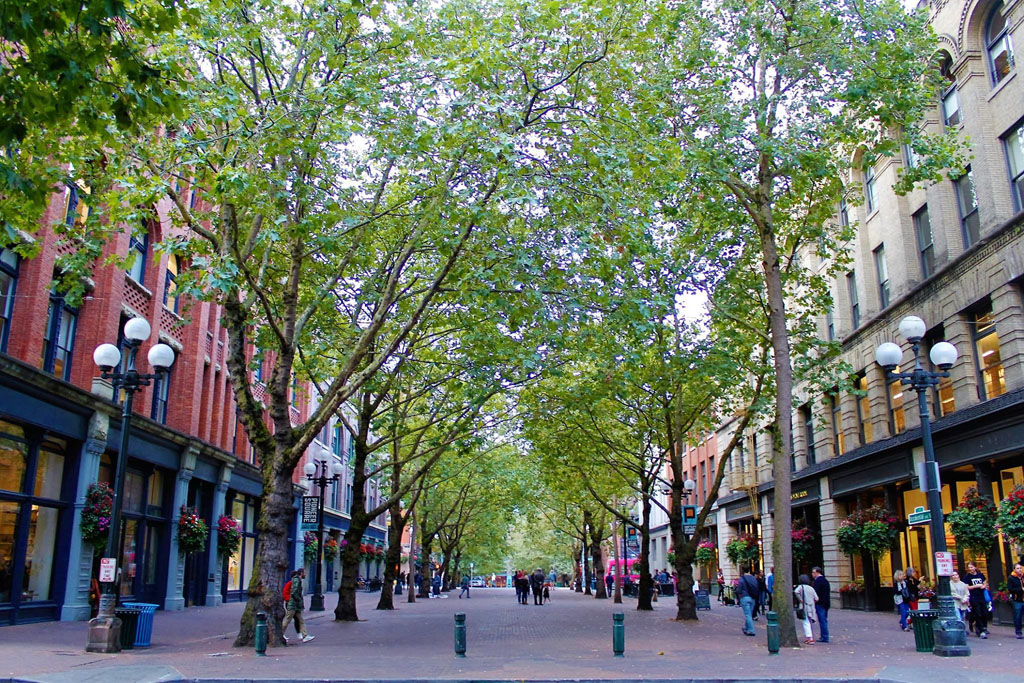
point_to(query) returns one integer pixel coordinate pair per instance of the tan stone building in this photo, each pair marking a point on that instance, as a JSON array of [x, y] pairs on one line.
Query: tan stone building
[[952, 254]]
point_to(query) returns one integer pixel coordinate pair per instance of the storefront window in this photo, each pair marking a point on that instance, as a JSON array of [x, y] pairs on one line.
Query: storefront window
[[128, 557], [987, 357], [133, 487], [239, 565], [864, 411], [8, 527], [50, 469], [838, 443], [897, 416], [13, 461], [42, 536]]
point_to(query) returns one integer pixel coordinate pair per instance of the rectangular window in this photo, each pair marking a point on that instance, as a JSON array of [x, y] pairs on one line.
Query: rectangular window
[[75, 210], [844, 214], [851, 290], [897, 415], [830, 324], [870, 196], [8, 289], [137, 252], [704, 478], [986, 354], [808, 420], [257, 374], [838, 441], [1015, 154], [967, 202], [336, 440], [161, 390], [295, 391], [925, 246], [883, 276], [864, 411], [171, 284], [62, 321], [944, 401], [951, 107]]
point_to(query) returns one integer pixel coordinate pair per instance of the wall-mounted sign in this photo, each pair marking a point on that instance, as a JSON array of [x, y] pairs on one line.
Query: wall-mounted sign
[[919, 516], [310, 513]]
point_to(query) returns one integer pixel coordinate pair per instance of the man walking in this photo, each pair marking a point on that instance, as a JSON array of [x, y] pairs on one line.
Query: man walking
[[1015, 584], [294, 607], [465, 588], [769, 586], [824, 590], [537, 585], [747, 592]]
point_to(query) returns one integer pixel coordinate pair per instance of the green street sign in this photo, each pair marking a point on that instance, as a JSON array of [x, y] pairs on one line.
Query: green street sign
[[919, 516]]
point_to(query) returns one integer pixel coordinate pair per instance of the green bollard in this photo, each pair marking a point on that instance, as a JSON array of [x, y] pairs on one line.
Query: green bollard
[[261, 634], [618, 634], [773, 633], [460, 635]]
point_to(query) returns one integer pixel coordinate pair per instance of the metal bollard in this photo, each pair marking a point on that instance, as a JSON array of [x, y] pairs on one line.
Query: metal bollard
[[618, 634], [261, 634], [460, 635], [773, 633]]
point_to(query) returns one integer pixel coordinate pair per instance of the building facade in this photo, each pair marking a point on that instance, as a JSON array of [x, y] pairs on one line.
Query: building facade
[[60, 431], [952, 254]]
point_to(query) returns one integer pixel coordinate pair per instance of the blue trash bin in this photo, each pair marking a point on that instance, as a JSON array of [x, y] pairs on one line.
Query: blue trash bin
[[144, 629]]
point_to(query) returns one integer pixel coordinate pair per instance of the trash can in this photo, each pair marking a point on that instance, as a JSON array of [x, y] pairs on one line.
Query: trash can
[[924, 636], [668, 589], [144, 631], [129, 617]]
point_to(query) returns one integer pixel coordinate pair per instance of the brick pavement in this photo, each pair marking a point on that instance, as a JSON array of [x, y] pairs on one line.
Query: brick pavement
[[570, 638]]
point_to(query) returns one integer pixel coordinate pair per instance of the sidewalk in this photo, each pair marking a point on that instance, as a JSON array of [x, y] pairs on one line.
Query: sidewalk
[[569, 638]]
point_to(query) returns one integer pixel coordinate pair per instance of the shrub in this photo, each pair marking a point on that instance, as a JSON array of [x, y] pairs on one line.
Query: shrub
[[973, 523], [1011, 516]]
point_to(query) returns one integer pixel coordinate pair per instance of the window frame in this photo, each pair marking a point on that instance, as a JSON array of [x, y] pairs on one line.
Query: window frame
[[836, 413], [1016, 176], [808, 426], [976, 337], [851, 292], [7, 312], [882, 272], [968, 215], [58, 309], [171, 279], [161, 393], [870, 196], [1002, 37], [141, 249], [925, 252], [865, 429]]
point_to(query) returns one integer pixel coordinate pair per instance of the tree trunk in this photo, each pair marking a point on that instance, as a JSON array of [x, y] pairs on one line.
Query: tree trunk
[[617, 583], [646, 581], [685, 550], [586, 566], [782, 540], [410, 583], [426, 567], [271, 563], [596, 539], [391, 566]]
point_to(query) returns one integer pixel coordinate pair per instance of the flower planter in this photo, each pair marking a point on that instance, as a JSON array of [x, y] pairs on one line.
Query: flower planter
[[1002, 612], [851, 600]]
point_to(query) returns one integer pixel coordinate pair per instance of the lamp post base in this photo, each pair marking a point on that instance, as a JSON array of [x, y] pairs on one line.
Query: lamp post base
[[104, 635], [316, 602], [950, 632]]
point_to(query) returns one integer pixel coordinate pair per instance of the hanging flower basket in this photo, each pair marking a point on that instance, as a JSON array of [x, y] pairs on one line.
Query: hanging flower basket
[[1011, 516], [381, 554], [742, 550], [872, 530], [309, 546], [99, 503], [229, 536], [705, 554], [803, 544], [330, 549], [192, 531], [973, 523]]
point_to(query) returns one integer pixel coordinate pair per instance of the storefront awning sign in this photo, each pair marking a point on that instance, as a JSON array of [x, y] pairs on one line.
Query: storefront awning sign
[[919, 516]]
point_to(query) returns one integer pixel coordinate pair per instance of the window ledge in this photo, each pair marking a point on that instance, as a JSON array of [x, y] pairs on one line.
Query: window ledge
[[998, 87]]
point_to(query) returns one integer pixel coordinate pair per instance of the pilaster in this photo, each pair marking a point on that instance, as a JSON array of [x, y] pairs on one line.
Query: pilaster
[[835, 564], [175, 600], [1009, 319], [213, 594]]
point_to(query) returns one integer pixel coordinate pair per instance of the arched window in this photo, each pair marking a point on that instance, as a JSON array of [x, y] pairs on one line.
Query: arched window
[[1000, 52], [171, 284]]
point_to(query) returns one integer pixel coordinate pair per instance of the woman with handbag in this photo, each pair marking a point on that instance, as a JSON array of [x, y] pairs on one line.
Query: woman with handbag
[[901, 596], [804, 599]]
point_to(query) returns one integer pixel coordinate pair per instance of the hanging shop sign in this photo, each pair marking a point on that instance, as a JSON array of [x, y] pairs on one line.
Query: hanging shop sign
[[310, 513]]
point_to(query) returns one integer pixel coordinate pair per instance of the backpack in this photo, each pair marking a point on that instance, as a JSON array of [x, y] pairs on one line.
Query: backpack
[[287, 592]]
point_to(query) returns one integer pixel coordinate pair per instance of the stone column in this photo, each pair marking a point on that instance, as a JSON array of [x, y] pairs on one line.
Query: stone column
[[964, 374], [767, 531], [1009, 317], [175, 598], [726, 533], [213, 593], [834, 563], [80, 555]]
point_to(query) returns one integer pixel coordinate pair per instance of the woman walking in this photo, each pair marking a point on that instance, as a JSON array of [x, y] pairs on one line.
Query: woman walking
[[805, 597], [901, 596], [961, 596]]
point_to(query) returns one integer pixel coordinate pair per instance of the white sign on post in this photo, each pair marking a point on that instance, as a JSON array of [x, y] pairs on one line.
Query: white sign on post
[[108, 569], [944, 564]]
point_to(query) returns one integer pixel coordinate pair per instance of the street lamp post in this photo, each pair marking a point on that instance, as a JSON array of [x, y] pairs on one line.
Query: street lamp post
[[950, 634], [316, 472], [104, 630]]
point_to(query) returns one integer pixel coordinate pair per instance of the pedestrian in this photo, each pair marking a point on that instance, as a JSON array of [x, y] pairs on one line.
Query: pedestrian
[[913, 586], [769, 584], [762, 594], [1015, 586], [977, 585], [961, 596], [294, 606], [537, 584], [547, 591], [804, 602], [901, 596], [721, 586], [465, 588], [824, 592], [436, 585], [522, 587], [747, 592], [609, 581]]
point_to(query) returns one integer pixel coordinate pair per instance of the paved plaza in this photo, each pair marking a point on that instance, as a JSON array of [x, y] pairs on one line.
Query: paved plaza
[[567, 639]]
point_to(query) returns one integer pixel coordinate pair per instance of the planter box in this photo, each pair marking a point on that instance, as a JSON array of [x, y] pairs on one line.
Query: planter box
[[853, 601], [1002, 613]]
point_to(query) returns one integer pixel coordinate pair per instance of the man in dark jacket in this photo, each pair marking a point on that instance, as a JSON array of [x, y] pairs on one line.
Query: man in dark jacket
[[747, 593], [824, 590], [1015, 585], [537, 585]]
